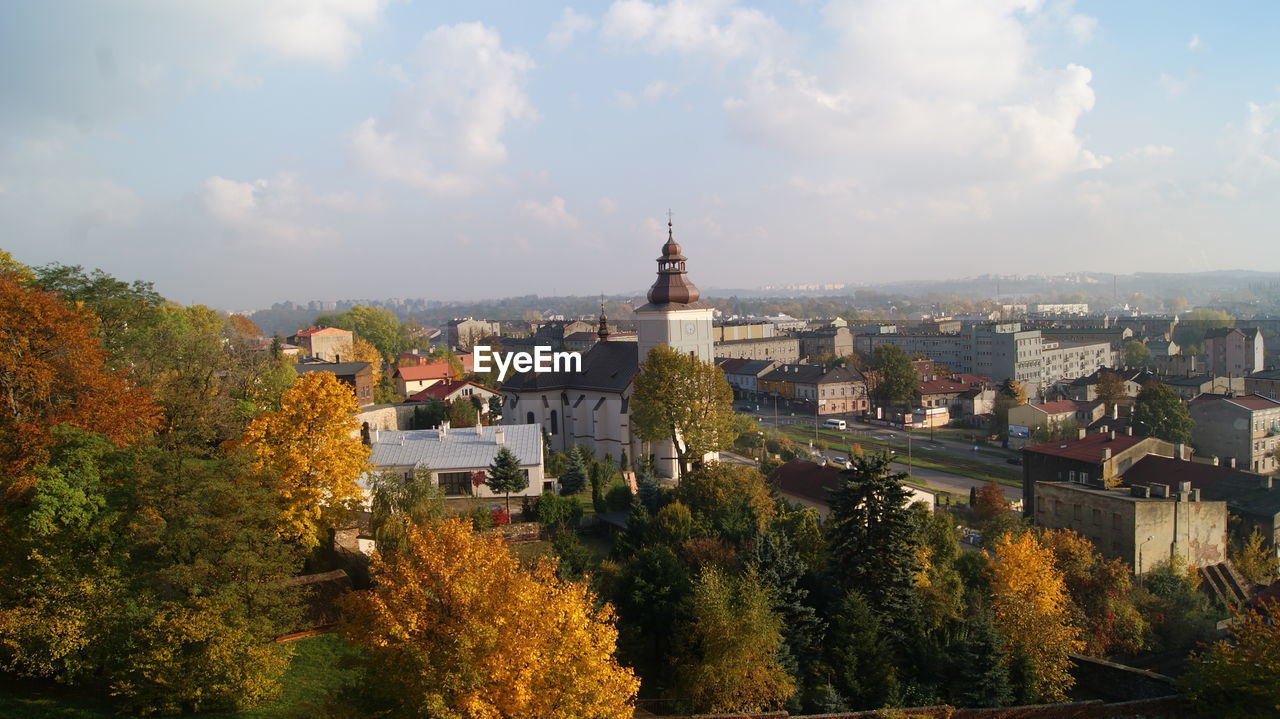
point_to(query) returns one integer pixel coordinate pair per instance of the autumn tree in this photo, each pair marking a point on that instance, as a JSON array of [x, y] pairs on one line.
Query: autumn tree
[[728, 661], [732, 500], [363, 351], [989, 501], [1101, 595], [1160, 412], [53, 371], [1011, 394], [244, 326], [1255, 560], [1235, 678], [376, 325], [1032, 613], [454, 627], [312, 444], [684, 400], [506, 476], [1110, 388], [897, 376]]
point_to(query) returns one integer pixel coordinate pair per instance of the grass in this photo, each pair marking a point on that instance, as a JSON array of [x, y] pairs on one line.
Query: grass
[[313, 672], [923, 458]]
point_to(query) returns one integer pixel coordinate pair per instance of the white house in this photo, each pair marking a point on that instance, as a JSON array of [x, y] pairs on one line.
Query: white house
[[459, 456]]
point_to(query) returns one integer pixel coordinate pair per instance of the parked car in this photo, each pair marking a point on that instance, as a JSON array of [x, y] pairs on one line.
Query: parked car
[[1014, 460]]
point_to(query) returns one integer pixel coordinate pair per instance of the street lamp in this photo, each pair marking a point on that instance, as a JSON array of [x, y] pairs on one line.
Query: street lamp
[[1140, 546]]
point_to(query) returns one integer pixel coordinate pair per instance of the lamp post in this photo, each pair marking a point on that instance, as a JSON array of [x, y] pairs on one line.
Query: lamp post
[[1140, 546]]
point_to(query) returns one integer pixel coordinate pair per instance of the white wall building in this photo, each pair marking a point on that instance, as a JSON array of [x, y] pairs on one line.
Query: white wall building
[[455, 455]]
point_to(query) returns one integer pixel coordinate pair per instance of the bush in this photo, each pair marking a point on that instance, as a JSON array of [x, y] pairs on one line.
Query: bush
[[529, 509], [617, 497], [501, 517], [482, 519], [558, 512]]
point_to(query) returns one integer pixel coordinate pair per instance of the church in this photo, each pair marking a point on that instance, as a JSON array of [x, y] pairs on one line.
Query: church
[[592, 407]]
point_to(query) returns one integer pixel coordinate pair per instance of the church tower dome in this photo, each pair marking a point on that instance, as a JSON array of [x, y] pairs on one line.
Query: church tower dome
[[672, 285]]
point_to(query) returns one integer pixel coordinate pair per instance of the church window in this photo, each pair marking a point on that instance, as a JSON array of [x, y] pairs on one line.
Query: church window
[[555, 423], [528, 418]]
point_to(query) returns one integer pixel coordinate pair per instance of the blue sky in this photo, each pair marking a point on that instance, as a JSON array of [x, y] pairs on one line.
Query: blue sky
[[239, 153]]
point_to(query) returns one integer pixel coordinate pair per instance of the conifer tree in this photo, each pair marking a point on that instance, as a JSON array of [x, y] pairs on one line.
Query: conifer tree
[[506, 476]]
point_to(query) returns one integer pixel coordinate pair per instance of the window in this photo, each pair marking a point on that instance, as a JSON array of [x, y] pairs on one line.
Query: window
[[1075, 511], [1097, 516], [528, 418], [455, 484], [555, 422]]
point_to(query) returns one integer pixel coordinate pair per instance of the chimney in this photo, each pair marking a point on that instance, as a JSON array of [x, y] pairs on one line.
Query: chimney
[[1178, 449], [1115, 411], [1106, 453], [444, 429], [499, 436], [1231, 462], [1184, 487], [1213, 461], [374, 436], [1195, 495], [1111, 435], [1264, 482], [1081, 433]]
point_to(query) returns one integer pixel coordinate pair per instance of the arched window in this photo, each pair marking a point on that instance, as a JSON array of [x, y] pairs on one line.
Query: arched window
[[528, 418], [555, 423]]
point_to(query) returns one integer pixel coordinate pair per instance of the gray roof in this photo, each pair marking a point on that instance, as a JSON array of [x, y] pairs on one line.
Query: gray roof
[[340, 369], [812, 374], [606, 367], [460, 448]]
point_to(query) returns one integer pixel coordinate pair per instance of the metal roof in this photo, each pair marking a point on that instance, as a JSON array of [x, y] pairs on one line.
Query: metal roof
[[456, 448]]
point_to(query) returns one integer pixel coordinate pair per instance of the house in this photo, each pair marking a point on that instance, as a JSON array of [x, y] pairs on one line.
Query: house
[[325, 343], [1242, 430], [826, 342], [810, 484], [1253, 500], [583, 341], [412, 379], [1233, 351], [1049, 417], [419, 357], [828, 390], [779, 348], [1192, 386], [286, 349], [459, 458], [462, 333], [1086, 387], [448, 390], [743, 375], [357, 375], [1265, 383], [1094, 459]]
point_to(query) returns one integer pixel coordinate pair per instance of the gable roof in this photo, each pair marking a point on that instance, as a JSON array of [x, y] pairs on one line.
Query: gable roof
[[457, 448], [812, 374], [312, 331], [436, 369], [1063, 406], [942, 385], [606, 367], [443, 389]]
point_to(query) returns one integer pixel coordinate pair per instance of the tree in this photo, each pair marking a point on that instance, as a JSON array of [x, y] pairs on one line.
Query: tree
[[684, 400], [1011, 394], [781, 569], [377, 325], [989, 501], [1136, 354], [437, 633], [1110, 388], [1032, 613], [558, 512], [860, 655], [732, 500], [897, 376], [312, 444], [363, 351], [462, 413], [1235, 677], [506, 476], [728, 660], [244, 326], [1101, 594], [53, 370], [574, 477], [397, 504], [872, 542], [1160, 412], [1256, 562], [978, 668]]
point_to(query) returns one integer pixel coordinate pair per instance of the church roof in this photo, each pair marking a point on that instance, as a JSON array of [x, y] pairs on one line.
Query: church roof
[[606, 367], [672, 286]]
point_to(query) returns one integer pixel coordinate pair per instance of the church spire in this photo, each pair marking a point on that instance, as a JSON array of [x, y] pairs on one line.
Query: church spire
[[603, 331], [672, 285]]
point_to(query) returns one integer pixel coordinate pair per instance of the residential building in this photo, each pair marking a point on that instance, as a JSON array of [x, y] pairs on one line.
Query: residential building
[[412, 379], [1190, 387], [1115, 337], [357, 375], [1163, 348], [460, 458], [952, 350], [730, 331], [1064, 360], [463, 333], [1058, 309], [809, 484], [1234, 352], [1243, 431], [449, 390], [826, 390], [1094, 459], [1265, 383], [583, 341], [1149, 326], [826, 342], [1139, 525], [325, 343], [556, 334], [1086, 387], [743, 375], [779, 348], [1007, 351], [1040, 420]]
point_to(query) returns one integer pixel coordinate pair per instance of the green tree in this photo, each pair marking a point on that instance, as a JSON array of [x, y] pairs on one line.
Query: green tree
[[897, 376], [462, 413], [1010, 395], [782, 570], [557, 511], [728, 660], [682, 399], [397, 504], [377, 325], [506, 476], [430, 415], [731, 500], [1255, 560], [1136, 354], [574, 476], [1160, 412], [873, 544], [1235, 678], [860, 655], [650, 595], [977, 668]]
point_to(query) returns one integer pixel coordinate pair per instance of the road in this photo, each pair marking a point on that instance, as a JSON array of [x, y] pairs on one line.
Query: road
[[940, 480]]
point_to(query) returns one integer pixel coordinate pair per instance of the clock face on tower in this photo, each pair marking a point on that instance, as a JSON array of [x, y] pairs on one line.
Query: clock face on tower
[[690, 328]]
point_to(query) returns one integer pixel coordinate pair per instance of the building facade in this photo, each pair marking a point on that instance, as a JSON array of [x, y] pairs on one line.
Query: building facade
[[1243, 431], [1233, 351]]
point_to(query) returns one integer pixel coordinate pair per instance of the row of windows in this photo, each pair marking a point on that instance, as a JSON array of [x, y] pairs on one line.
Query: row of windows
[[1077, 512]]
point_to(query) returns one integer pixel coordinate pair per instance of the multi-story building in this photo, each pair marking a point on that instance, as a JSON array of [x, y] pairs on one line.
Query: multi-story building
[[1191, 386], [357, 375], [947, 349], [1077, 309], [827, 390], [1064, 360], [324, 343], [1234, 352], [778, 348], [1243, 431], [1006, 351], [463, 333], [1265, 383], [730, 331], [743, 375], [1113, 336], [826, 342], [1099, 459]]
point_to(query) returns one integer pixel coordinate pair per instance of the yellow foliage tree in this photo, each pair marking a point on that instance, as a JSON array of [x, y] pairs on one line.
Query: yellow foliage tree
[[1032, 612], [1235, 678], [454, 628], [363, 351], [312, 444]]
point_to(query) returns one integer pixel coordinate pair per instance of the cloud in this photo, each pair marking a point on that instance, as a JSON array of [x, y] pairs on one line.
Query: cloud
[[444, 132], [279, 209], [651, 93], [1172, 86], [718, 29], [1082, 27], [567, 27], [1194, 42], [1149, 152], [608, 205], [551, 214]]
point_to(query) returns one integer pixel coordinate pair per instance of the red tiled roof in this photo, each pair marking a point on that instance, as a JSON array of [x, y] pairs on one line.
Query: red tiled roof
[[1088, 449], [941, 386], [321, 330], [1154, 469], [442, 390], [1254, 402], [970, 379], [437, 369]]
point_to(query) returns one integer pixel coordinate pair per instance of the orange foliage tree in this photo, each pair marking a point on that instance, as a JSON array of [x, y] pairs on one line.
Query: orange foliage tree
[[312, 444], [990, 501], [455, 628], [1235, 678], [1032, 612], [53, 371], [1101, 593]]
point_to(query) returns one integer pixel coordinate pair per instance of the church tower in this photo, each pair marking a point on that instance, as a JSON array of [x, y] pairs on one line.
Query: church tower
[[674, 316]]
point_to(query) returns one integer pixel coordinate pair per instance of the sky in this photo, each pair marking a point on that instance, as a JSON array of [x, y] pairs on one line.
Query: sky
[[242, 152]]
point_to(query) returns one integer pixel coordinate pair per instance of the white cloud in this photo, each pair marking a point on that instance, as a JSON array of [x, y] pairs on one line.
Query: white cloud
[[1172, 86], [552, 214], [716, 28], [1194, 42], [1149, 152], [279, 209], [567, 27], [652, 92], [1082, 27], [444, 132], [608, 205]]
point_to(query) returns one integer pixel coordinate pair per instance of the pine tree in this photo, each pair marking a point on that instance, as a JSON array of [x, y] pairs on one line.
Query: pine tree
[[574, 477], [780, 568], [859, 656], [978, 673], [506, 476]]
